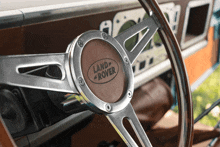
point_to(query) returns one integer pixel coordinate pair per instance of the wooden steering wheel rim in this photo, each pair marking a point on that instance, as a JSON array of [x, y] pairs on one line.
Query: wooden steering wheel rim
[[186, 120]]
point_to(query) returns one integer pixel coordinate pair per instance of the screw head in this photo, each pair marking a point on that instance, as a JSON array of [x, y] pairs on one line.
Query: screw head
[[126, 60], [105, 36], [81, 81], [129, 94], [108, 107], [80, 43]]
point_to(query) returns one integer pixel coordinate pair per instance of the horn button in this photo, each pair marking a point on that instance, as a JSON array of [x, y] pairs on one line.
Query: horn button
[[101, 71], [102, 68]]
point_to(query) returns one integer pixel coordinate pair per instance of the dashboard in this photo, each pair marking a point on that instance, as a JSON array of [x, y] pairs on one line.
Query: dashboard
[[154, 51], [48, 27]]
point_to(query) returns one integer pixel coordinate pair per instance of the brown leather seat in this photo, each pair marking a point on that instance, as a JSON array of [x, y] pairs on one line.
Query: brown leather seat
[[150, 101]]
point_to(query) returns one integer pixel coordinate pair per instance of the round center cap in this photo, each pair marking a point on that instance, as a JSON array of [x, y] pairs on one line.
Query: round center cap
[[102, 68]]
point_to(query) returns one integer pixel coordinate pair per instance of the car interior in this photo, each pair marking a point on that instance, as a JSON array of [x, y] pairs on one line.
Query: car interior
[[107, 73]]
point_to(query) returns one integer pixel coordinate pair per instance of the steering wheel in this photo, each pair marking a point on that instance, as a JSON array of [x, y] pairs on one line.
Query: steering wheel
[[99, 68]]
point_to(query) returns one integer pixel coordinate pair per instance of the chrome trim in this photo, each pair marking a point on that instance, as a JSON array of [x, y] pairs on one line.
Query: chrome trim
[[150, 25], [165, 65], [116, 119], [10, 72], [195, 48], [10, 19], [192, 4], [94, 102], [62, 11], [41, 137], [203, 77]]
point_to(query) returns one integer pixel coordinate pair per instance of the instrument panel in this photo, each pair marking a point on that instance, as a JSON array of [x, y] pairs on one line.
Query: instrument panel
[[154, 51]]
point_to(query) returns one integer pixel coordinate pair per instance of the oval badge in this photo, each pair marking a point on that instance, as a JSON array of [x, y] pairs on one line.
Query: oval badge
[[103, 71]]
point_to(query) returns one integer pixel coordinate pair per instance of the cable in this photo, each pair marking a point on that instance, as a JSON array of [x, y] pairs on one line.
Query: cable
[[207, 111]]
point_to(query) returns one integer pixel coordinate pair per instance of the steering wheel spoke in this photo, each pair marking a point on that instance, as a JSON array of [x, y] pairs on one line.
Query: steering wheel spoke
[[148, 24], [11, 73], [116, 119]]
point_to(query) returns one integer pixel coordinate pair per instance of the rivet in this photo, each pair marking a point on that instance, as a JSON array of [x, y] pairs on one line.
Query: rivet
[[80, 43], [81, 81], [126, 60], [129, 94], [105, 36], [108, 107]]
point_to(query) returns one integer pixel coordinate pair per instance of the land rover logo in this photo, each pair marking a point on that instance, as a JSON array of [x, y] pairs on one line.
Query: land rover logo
[[103, 71]]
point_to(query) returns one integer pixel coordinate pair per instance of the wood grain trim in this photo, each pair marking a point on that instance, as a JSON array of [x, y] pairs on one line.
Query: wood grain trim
[[12, 41], [5, 137]]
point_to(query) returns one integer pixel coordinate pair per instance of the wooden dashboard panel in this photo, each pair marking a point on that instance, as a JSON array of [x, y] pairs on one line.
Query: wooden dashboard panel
[[12, 41], [5, 139]]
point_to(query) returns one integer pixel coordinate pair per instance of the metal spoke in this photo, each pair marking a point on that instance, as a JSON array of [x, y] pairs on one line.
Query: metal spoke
[[10, 74], [148, 24], [116, 120]]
